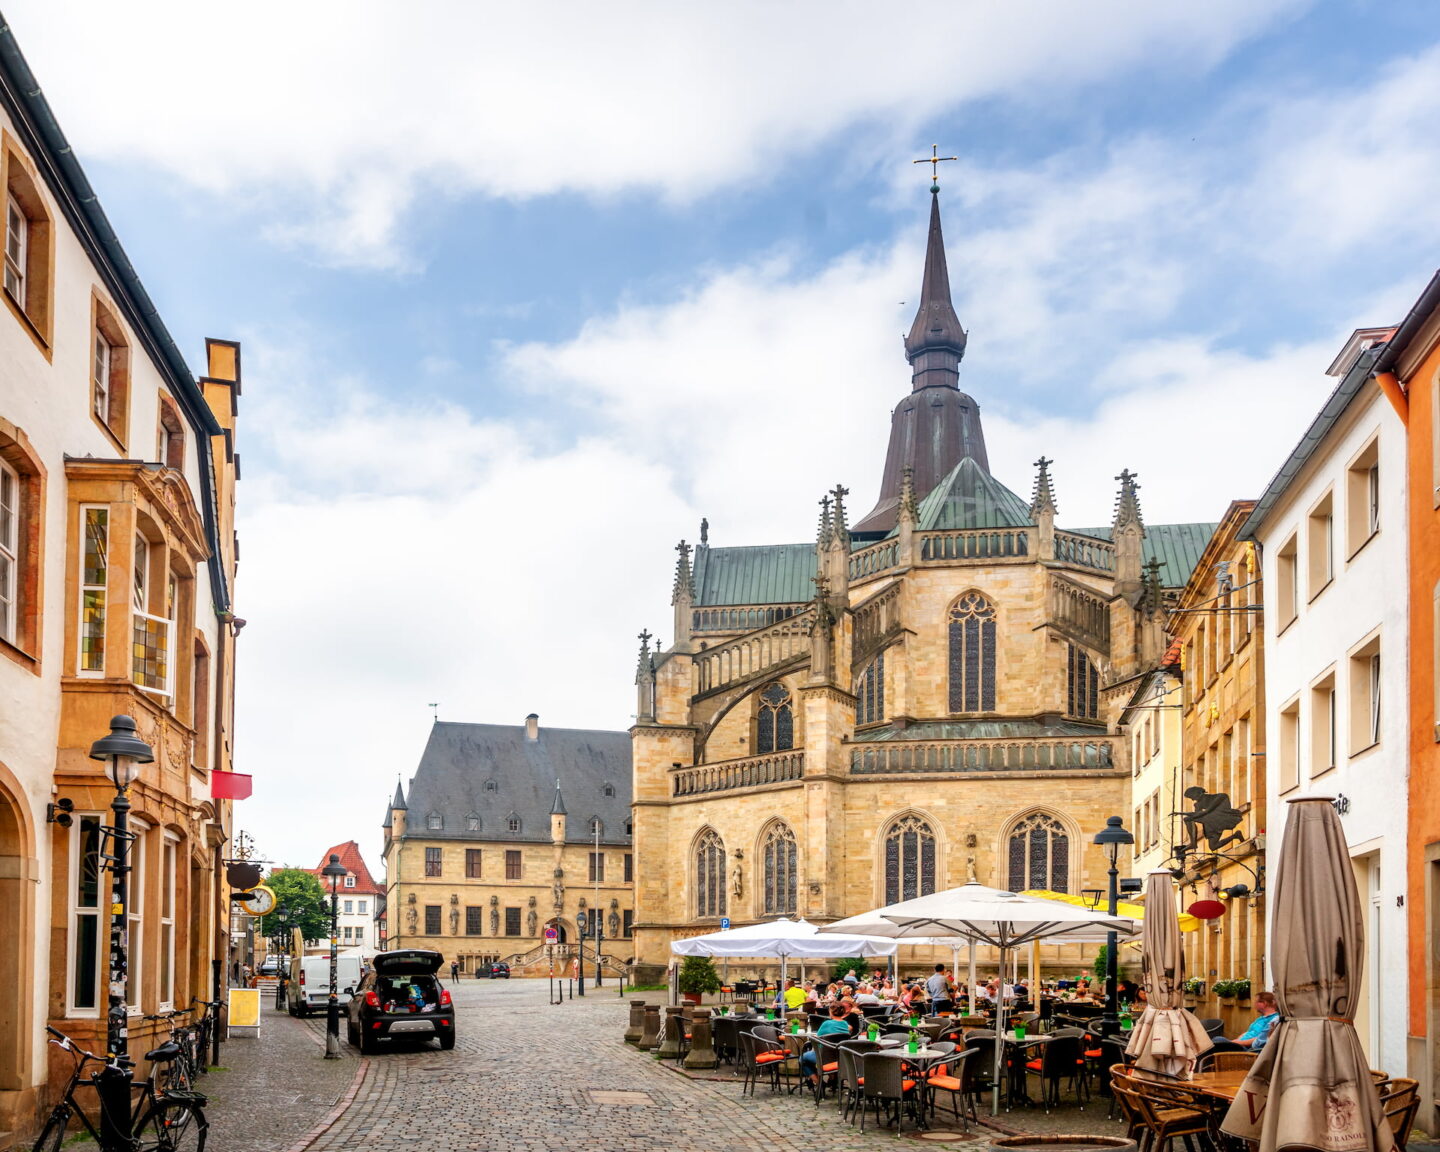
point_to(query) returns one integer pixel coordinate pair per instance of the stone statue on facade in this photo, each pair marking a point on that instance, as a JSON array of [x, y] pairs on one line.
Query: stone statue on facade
[[559, 889], [454, 915], [614, 918], [737, 878], [494, 915], [412, 915], [532, 920]]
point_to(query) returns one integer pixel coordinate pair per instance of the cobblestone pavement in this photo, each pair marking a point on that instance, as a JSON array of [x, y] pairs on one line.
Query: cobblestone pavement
[[526, 1076], [269, 1092]]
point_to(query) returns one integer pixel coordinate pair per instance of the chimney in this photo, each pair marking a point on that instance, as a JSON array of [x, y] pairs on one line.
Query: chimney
[[532, 726]]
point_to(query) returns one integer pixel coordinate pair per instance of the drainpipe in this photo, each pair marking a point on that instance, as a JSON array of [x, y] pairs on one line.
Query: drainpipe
[[1395, 394]]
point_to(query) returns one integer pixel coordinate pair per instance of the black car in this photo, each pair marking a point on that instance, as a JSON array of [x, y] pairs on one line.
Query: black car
[[401, 999], [497, 971]]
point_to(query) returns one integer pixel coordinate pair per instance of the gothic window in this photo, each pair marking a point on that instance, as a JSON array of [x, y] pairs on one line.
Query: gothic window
[[775, 723], [778, 870], [870, 692], [1083, 699], [710, 875], [1038, 855], [972, 654], [909, 859], [435, 822]]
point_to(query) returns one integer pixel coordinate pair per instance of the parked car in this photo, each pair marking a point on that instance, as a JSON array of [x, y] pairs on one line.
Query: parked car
[[497, 971], [400, 998], [270, 966], [309, 987]]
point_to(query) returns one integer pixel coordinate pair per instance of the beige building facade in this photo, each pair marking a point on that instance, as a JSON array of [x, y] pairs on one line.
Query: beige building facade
[[928, 696], [1218, 840], [505, 833], [117, 568]]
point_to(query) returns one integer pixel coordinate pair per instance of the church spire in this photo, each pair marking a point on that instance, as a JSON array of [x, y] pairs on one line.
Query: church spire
[[936, 341]]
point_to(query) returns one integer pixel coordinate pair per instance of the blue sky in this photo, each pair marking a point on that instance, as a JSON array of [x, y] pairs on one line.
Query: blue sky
[[523, 296]]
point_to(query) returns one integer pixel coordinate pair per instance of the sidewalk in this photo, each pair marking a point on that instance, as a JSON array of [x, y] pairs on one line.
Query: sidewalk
[[271, 1091]]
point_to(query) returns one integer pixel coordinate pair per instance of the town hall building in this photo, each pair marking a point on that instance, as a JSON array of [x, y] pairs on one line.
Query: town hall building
[[923, 695]]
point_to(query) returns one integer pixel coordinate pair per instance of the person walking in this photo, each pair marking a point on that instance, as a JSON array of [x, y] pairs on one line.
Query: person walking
[[454, 970], [938, 986]]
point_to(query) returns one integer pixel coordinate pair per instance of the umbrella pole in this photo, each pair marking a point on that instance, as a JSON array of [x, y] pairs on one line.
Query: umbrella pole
[[999, 1038], [973, 1004]]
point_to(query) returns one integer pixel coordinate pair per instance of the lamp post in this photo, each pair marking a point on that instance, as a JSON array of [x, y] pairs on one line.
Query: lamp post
[[335, 871], [1112, 838], [595, 868], [123, 752], [282, 923]]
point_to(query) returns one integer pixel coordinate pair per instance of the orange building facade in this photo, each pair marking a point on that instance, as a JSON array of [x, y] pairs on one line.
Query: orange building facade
[[1408, 372]]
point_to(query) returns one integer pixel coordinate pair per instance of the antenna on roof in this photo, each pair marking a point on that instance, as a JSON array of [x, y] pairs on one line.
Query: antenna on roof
[[434, 707]]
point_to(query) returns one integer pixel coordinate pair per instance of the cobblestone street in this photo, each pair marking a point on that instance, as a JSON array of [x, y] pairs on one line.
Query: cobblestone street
[[525, 1076]]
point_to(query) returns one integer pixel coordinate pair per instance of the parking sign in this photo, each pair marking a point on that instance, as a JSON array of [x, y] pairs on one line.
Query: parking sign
[[724, 923]]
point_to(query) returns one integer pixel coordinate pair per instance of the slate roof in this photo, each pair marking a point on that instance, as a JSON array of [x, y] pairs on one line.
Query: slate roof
[[1178, 547], [354, 863], [459, 760], [969, 497], [978, 730], [759, 574]]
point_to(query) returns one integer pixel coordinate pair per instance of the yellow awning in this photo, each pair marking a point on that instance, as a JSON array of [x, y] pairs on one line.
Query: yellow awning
[[1188, 923]]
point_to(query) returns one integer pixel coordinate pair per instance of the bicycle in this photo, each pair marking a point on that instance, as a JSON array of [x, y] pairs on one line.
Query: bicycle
[[168, 1121], [178, 1075], [205, 1029]]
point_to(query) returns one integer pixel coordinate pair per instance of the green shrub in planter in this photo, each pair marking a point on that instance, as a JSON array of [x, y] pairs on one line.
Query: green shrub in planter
[[698, 976], [1227, 989], [1193, 986]]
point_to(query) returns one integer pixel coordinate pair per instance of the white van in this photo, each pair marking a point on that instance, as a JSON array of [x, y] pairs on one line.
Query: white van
[[309, 987]]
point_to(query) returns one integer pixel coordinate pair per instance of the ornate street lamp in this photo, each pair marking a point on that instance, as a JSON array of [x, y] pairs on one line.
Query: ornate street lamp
[[336, 872], [1112, 838], [122, 752], [282, 922]]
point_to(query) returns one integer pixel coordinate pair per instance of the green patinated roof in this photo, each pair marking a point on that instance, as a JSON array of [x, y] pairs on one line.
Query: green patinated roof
[[969, 497], [762, 574], [1178, 547], [979, 730]]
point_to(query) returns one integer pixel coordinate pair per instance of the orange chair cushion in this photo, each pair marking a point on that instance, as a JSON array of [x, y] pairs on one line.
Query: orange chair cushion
[[833, 1066], [949, 1083], [1094, 1053], [1033, 1065], [907, 1085], [769, 1057]]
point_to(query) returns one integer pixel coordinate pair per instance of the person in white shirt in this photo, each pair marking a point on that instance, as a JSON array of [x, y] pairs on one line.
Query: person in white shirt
[[864, 994]]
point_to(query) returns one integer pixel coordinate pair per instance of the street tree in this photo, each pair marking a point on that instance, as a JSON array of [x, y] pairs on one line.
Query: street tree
[[301, 895]]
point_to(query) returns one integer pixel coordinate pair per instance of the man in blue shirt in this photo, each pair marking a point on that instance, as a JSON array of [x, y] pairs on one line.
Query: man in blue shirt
[[1268, 1015]]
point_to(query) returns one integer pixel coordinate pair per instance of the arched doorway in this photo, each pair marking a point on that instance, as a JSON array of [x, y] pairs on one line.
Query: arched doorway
[[559, 926], [17, 959]]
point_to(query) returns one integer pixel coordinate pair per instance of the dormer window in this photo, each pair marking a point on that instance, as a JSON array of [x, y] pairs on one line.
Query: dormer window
[[472, 822], [608, 790], [435, 822], [491, 786], [596, 826], [629, 828], [512, 823], [349, 880]]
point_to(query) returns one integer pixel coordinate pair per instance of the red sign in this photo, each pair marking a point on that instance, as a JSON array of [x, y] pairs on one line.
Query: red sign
[[1206, 909], [231, 785]]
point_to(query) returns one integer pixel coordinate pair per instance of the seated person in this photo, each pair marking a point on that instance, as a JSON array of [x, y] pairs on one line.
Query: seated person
[[1267, 1016], [852, 1016], [794, 995], [866, 995], [835, 1026]]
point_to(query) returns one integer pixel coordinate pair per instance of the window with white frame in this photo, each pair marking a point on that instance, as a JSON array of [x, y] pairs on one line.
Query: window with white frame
[[17, 248], [359, 934], [1289, 767], [94, 574], [9, 550], [169, 856], [1322, 726], [152, 630], [1362, 498], [1320, 545], [1365, 696], [364, 907], [1287, 582], [349, 880], [348, 907], [135, 919], [85, 916], [100, 377]]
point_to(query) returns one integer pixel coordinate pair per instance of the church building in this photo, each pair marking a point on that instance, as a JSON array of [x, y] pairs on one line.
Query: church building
[[922, 696]]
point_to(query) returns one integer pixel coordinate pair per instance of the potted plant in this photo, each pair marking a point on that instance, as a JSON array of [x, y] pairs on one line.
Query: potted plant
[[1193, 989], [697, 977], [1225, 992], [1242, 993]]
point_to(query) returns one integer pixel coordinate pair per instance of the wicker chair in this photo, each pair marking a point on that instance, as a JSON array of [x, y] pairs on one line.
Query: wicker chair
[[1061, 1059], [956, 1078], [1400, 1098], [850, 1054], [1168, 1112], [760, 1056], [884, 1083], [1226, 1061]]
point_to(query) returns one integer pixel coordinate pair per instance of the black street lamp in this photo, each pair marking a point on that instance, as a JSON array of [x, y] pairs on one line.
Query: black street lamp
[[123, 752], [1112, 838], [335, 871], [282, 922]]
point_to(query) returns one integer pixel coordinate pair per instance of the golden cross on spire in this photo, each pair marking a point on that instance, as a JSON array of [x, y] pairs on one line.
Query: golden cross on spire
[[934, 160]]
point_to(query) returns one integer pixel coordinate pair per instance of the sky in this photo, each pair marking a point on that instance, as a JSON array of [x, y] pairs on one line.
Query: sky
[[524, 291]]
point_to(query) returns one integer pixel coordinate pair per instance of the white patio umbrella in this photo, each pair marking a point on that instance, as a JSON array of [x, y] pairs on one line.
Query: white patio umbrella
[[1004, 920], [784, 939]]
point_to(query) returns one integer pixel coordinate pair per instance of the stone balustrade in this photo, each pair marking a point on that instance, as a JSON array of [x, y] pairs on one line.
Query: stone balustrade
[[987, 544], [1084, 552], [747, 772], [875, 558], [753, 654], [741, 617], [927, 757]]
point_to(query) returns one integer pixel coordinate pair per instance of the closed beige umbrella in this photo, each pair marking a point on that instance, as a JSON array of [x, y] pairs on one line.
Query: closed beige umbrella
[[1311, 1086], [1167, 1039]]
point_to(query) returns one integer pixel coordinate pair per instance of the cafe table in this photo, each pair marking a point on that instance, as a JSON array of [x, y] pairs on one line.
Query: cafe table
[[1218, 1086], [1017, 1090], [923, 1059]]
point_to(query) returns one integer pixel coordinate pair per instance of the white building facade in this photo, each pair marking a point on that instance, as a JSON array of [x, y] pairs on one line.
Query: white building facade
[[1331, 528]]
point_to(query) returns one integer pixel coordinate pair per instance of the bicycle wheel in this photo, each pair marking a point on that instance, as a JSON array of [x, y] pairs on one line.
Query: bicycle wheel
[[172, 1126], [53, 1134]]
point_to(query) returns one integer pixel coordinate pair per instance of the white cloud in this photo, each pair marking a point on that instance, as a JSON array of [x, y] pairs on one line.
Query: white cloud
[[355, 110]]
